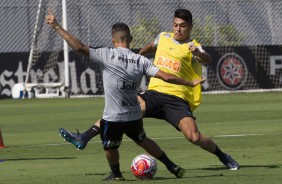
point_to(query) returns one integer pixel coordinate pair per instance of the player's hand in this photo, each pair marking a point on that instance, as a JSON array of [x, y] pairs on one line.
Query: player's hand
[[51, 19], [195, 50], [198, 81]]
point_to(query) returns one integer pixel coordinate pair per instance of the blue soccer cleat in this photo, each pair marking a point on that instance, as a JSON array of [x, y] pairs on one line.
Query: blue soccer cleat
[[73, 138]]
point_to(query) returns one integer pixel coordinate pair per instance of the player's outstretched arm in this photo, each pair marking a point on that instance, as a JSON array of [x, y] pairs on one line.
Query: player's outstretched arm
[[72, 41], [170, 78]]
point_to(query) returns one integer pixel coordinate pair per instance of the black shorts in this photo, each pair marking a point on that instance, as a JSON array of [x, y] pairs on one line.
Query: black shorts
[[166, 107], [111, 132]]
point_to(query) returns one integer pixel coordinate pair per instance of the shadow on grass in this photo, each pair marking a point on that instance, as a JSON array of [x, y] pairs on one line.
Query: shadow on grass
[[56, 158], [105, 175], [266, 166], [95, 174], [138, 180], [241, 167], [158, 178], [187, 177]]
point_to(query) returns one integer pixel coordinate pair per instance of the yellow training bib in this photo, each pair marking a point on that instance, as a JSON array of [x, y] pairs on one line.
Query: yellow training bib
[[175, 58]]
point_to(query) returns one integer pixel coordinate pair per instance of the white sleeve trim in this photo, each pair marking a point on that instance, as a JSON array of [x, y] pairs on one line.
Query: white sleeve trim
[[201, 49]]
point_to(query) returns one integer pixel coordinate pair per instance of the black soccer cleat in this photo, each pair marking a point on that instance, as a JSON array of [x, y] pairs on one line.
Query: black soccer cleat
[[111, 177], [177, 171], [229, 162]]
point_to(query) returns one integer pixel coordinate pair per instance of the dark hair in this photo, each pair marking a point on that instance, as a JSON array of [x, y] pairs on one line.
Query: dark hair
[[120, 27], [183, 14]]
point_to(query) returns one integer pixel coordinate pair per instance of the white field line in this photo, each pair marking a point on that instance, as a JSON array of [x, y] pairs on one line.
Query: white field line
[[127, 140], [238, 135]]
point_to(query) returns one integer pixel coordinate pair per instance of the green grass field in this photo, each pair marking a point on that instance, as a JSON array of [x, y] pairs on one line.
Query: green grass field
[[247, 125]]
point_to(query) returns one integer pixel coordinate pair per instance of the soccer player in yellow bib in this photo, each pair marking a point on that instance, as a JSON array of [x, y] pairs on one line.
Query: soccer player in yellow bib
[[175, 57], [178, 54]]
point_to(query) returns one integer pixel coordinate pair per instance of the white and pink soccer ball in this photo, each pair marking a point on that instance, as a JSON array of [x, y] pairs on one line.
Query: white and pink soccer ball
[[144, 167]]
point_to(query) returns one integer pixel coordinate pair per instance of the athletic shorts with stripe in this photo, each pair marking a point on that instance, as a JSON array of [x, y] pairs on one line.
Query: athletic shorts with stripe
[[166, 107], [111, 133]]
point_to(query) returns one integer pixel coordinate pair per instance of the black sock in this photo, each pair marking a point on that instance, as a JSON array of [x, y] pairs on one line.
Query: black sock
[[167, 162], [90, 133], [219, 153], [115, 170]]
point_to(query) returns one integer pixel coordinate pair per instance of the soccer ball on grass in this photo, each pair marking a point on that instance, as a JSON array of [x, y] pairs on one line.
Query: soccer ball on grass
[[144, 167]]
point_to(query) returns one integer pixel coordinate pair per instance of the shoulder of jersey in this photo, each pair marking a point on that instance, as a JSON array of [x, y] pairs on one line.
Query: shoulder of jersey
[[196, 43], [99, 47]]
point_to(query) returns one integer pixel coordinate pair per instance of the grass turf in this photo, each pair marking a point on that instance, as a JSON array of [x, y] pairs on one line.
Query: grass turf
[[246, 125]]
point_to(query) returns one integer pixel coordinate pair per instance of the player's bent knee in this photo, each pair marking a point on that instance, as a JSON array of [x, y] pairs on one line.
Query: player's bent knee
[[194, 138]]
